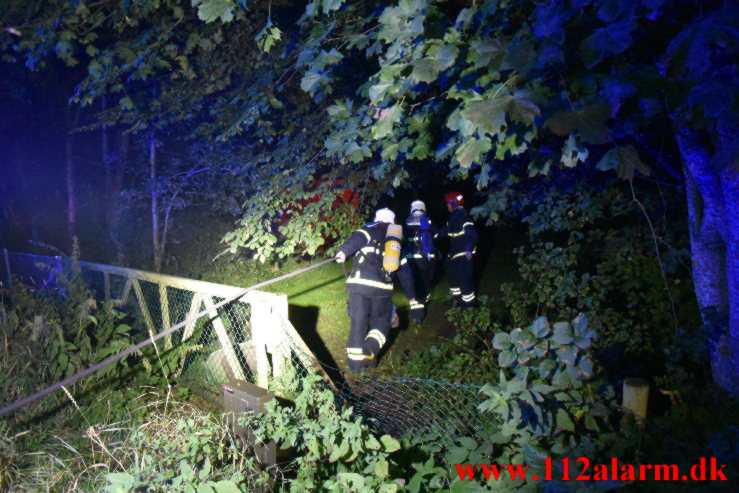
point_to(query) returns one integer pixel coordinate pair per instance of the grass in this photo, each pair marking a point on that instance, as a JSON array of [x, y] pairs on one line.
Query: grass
[[317, 299]]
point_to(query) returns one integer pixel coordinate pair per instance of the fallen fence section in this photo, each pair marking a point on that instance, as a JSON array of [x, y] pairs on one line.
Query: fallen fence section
[[252, 339]]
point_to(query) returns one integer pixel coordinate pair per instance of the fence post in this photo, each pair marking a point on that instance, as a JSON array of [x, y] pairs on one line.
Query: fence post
[[7, 267], [277, 346], [260, 321]]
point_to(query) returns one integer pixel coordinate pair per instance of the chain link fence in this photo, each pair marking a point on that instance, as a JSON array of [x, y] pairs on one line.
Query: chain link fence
[[251, 339]]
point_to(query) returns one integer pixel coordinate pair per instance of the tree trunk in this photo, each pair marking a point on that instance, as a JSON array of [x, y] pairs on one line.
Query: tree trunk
[[730, 189], [69, 174], [713, 236], [156, 243], [71, 202], [119, 161]]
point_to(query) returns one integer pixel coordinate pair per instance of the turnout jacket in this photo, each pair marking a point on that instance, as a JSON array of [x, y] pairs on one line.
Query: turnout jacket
[[368, 276], [461, 232]]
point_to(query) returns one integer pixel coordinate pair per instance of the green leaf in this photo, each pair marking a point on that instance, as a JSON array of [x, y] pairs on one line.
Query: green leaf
[[381, 468], [587, 120], [205, 470], [567, 354], [564, 421], [563, 333], [457, 455], [339, 451], [210, 10], [389, 443], [488, 113], [623, 160], [502, 340], [446, 56], [506, 358], [310, 82], [120, 482], [521, 109], [268, 36], [472, 150], [426, 69], [573, 152], [540, 327], [372, 443], [386, 118], [226, 486], [468, 443], [377, 92], [613, 39]]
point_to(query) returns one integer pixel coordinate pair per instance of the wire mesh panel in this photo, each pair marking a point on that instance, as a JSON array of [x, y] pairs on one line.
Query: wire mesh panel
[[398, 405]]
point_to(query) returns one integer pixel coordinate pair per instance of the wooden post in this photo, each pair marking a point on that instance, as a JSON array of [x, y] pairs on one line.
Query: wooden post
[[636, 395], [260, 323]]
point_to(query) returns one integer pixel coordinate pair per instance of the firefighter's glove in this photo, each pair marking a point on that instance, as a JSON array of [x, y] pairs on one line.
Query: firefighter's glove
[[340, 257], [418, 311], [468, 255]]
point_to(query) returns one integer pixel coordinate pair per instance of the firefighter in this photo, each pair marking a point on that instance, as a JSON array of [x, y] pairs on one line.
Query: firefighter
[[421, 255], [462, 240], [370, 287]]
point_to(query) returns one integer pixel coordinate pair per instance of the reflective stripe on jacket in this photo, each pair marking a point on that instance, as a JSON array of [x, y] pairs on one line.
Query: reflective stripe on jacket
[[461, 232]]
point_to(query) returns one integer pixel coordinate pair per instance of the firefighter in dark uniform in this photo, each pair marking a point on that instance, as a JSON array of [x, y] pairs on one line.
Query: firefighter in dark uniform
[[462, 240], [421, 254], [370, 289]]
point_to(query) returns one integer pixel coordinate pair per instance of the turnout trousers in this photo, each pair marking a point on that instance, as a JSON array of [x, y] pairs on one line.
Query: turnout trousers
[[461, 281], [370, 326], [423, 275]]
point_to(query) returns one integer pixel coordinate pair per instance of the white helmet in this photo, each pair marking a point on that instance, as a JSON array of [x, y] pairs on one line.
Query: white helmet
[[385, 215], [418, 205]]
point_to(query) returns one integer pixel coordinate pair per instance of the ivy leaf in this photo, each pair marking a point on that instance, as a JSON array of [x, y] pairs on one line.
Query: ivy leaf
[[210, 10], [623, 160], [472, 150]]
